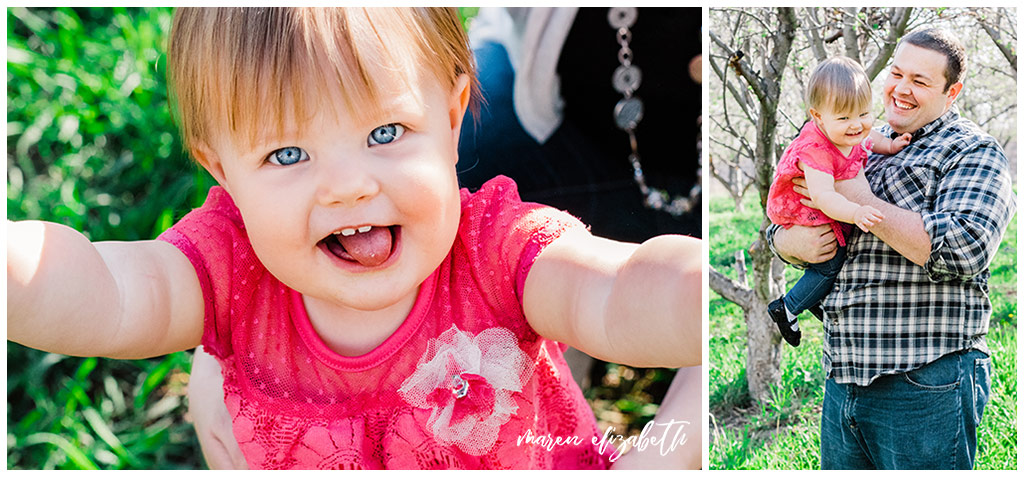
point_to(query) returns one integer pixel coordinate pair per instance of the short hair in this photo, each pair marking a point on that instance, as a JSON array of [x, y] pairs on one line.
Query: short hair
[[942, 41], [838, 84], [230, 69]]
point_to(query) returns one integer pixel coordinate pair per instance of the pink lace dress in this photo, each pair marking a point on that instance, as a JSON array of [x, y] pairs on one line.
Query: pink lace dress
[[456, 386], [815, 150]]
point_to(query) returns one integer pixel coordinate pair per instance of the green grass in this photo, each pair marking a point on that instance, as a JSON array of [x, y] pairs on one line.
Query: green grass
[[784, 432], [91, 144], [89, 413]]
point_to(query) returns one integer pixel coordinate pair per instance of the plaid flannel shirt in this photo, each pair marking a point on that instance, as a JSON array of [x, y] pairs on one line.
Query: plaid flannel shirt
[[887, 315]]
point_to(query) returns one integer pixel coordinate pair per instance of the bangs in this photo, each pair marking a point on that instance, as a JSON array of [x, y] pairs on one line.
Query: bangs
[[840, 85], [849, 94], [247, 71]]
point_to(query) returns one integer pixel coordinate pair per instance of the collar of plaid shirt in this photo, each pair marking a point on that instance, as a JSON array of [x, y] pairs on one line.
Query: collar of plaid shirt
[[887, 315]]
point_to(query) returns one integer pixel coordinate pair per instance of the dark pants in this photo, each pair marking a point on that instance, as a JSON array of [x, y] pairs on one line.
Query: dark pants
[[923, 419], [815, 284]]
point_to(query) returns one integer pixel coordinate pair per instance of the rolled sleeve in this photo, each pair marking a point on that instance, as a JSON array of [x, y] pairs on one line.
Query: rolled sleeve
[[769, 236], [973, 206]]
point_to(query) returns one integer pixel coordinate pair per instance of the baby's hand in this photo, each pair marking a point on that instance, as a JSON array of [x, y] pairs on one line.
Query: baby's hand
[[866, 217], [210, 415], [899, 143]]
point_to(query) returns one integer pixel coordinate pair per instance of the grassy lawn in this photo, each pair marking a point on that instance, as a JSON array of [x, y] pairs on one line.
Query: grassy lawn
[[784, 433]]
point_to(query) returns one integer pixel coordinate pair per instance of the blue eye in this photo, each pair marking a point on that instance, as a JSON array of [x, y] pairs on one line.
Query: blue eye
[[385, 134], [287, 156]]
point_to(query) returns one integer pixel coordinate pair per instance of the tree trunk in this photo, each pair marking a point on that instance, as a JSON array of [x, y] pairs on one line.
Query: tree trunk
[[741, 268], [764, 347], [764, 353], [763, 361], [850, 33]]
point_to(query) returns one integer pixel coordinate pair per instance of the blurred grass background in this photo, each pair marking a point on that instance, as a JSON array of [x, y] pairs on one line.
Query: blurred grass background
[[91, 144], [784, 432]]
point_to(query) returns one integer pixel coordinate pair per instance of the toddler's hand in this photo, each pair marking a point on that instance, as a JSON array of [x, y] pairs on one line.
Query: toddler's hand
[[866, 217], [210, 415], [900, 142]]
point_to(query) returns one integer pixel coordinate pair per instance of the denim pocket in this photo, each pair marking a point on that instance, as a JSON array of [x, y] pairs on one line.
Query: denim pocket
[[982, 386], [942, 374]]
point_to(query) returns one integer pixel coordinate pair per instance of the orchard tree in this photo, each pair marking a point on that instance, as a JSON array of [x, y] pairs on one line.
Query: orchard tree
[[753, 49]]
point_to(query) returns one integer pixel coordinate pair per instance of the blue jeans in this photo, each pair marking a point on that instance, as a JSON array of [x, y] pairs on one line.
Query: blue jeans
[[496, 128], [923, 419], [815, 284]]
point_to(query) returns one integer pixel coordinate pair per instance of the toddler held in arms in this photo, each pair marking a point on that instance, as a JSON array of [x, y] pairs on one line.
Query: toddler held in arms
[[365, 311], [831, 146]]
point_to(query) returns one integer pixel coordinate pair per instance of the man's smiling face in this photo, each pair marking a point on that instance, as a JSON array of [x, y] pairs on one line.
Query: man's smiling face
[[915, 91]]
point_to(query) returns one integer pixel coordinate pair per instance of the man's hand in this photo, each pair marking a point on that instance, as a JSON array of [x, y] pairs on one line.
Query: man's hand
[[802, 244], [800, 187], [903, 229], [866, 217], [210, 415]]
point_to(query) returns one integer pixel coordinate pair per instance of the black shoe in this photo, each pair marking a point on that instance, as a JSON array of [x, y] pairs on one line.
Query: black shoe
[[777, 311], [817, 312]]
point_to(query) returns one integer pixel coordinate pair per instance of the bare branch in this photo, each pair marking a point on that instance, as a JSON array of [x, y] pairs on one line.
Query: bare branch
[[1000, 114], [726, 181], [793, 124], [899, 18], [741, 66], [1005, 47], [734, 165], [741, 96], [744, 148], [730, 289], [746, 12], [813, 37]]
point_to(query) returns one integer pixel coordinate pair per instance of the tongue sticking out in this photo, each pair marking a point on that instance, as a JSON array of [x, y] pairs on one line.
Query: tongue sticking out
[[370, 248]]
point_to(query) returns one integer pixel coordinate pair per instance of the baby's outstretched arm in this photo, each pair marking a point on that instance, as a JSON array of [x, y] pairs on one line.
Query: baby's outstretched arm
[[821, 186], [620, 302], [116, 299], [881, 144]]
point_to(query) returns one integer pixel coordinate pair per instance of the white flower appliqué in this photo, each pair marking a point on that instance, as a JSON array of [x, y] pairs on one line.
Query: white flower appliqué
[[467, 382]]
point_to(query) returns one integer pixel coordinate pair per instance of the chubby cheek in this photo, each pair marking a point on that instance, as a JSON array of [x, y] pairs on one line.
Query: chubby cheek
[[431, 202], [276, 237], [442, 214]]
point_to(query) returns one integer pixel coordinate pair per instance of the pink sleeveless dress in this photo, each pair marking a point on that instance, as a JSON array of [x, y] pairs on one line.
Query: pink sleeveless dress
[[455, 386], [815, 150]]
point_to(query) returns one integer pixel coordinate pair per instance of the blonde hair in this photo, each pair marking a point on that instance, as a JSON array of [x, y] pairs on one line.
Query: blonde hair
[[229, 69], [838, 84]]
